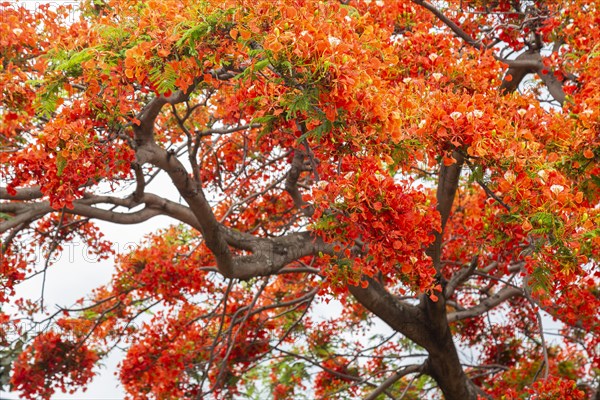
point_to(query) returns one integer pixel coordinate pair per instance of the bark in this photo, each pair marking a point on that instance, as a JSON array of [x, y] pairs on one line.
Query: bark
[[444, 366], [418, 325], [527, 63]]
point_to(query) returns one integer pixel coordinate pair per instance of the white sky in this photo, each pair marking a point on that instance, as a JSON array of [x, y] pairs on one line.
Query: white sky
[[73, 277]]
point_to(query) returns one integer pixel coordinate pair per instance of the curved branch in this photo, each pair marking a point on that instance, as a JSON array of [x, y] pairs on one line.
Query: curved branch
[[528, 63], [155, 205], [460, 277], [194, 196], [30, 213], [140, 181], [112, 216], [455, 28], [291, 183], [152, 201], [486, 305], [410, 369], [400, 316]]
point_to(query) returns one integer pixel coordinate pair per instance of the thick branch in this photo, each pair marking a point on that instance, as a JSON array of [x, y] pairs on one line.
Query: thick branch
[[144, 131], [30, 212], [486, 305], [140, 181], [410, 369], [525, 63], [400, 316], [194, 196], [270, 255], [447, 186], [22, 194], [554, 86], [291, 183], [528, 63], [155, 205], [148, 151]]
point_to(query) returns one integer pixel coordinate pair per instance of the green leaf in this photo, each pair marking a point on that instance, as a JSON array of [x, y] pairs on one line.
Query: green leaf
[[261, 64], [477, 173], [267, 121], [73, 63], [203, 30], [191, 36], [318, 131], [61, 164], [112, 33], [47, 97], [258, 66], [592, 234], [163, 78], [90, 314], [540, 279], [547, 222]]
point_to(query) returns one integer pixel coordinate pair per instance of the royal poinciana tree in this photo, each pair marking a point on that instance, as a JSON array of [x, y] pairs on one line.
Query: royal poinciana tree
[[435, 165]]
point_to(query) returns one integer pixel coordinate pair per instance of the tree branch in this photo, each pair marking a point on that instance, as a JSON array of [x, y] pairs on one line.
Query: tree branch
[[486, 305], [460, 277], [400, 316], [22, 194], [447, 186], [192, 193], [455, 28], [291, 183], [526, 63], [410, 369], [155, 205]]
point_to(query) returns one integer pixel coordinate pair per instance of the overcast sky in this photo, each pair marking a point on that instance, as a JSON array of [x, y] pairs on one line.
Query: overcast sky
[[74, 276]]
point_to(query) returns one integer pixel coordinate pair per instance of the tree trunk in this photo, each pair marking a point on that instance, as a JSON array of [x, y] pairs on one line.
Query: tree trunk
[[416, 323], [443, 365]]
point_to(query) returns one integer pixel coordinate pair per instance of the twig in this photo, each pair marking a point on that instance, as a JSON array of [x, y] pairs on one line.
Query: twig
[[53, 247], [545, 364], [487, 190]]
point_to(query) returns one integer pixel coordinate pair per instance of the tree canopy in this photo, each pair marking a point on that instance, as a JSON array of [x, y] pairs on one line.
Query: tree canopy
[[433, 164]]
